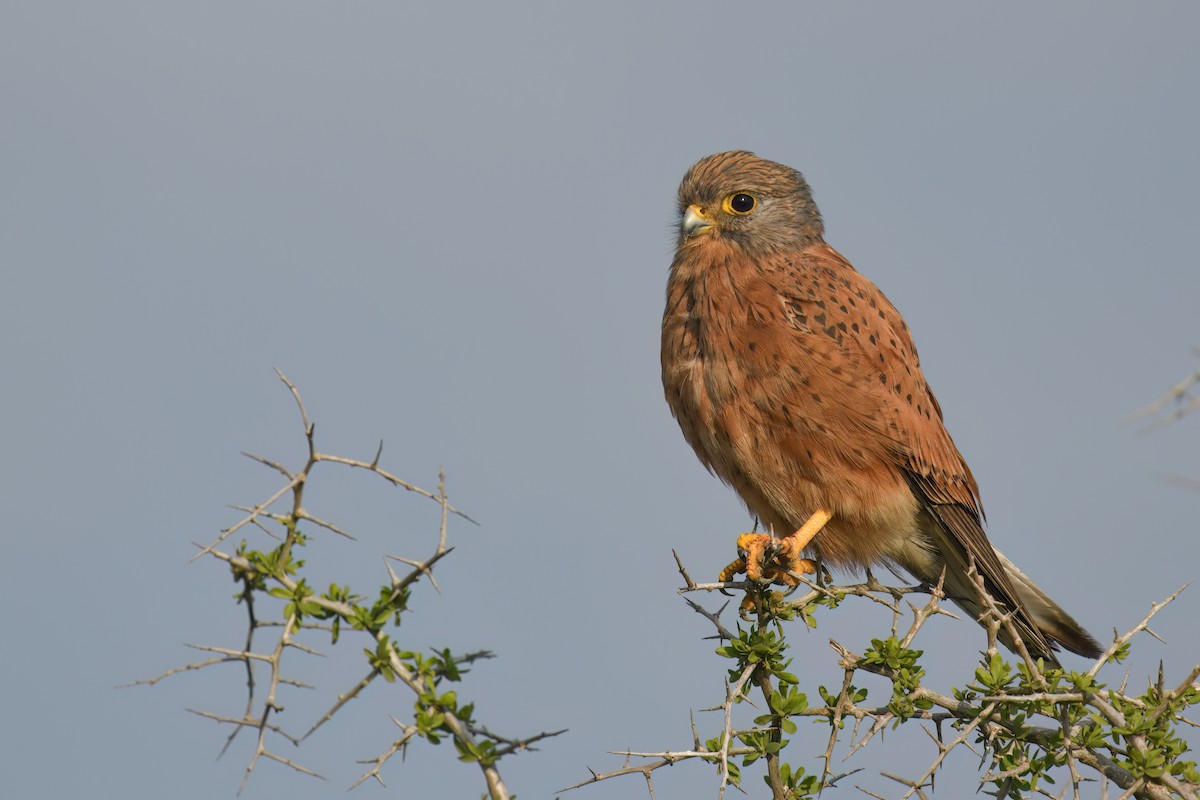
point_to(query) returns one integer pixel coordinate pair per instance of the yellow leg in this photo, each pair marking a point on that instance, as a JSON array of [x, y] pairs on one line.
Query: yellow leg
[[792, 546], [812, 527]]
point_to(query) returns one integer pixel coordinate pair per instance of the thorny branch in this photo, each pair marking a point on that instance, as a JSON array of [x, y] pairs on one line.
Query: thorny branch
[[277, 573], [1179, 398], [1027, 720]]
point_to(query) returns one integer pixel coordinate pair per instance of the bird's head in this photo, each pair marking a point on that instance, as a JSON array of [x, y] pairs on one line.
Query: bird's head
[[756, 204]]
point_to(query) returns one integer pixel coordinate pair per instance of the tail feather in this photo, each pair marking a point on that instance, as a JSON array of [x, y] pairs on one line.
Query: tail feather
[[1040, 622], [1049, 617]]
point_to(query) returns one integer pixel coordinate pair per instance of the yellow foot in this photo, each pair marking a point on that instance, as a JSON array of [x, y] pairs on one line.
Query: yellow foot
[[777, 560]]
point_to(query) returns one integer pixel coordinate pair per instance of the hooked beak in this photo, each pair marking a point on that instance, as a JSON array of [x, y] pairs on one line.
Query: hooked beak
[[695, 222]]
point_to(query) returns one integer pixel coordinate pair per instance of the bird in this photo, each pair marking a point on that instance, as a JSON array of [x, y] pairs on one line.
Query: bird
[[797, 383]]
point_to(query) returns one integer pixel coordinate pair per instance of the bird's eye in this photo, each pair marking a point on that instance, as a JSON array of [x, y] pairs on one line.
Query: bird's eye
[[740, 203]]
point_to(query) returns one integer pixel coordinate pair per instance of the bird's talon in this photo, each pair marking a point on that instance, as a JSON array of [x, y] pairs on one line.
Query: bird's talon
[[804, 566], [731, 571], [769, 560]]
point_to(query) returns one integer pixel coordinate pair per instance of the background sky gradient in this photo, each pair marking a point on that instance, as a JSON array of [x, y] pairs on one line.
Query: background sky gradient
[[450, 225]]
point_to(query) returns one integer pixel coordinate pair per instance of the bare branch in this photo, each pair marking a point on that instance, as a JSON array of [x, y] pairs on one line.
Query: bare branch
[[1178, 395]]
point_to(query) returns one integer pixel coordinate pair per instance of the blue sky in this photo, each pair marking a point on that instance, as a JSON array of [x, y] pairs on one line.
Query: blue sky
[[450, 226]]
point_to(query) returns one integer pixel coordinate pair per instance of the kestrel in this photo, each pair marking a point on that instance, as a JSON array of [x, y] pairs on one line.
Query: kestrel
[[797, 383]]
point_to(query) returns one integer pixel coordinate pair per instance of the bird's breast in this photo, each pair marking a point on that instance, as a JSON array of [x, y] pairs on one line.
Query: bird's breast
[[721, 316]]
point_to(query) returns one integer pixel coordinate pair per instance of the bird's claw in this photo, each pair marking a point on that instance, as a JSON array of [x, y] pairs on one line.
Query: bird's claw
[[769, 560]]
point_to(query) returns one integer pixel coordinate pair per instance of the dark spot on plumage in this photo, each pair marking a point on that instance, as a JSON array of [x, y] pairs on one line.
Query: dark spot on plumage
[[892, 342], [841, 327], [881, 314], [897, 388], [871, 338], [816, 398], [820, 304], [908, 397], [844, 310], [752, 345], [819, 319], [854, 327]]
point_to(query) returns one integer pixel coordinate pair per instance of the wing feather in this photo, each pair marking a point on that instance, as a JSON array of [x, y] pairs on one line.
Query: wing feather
[[921, 446]]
